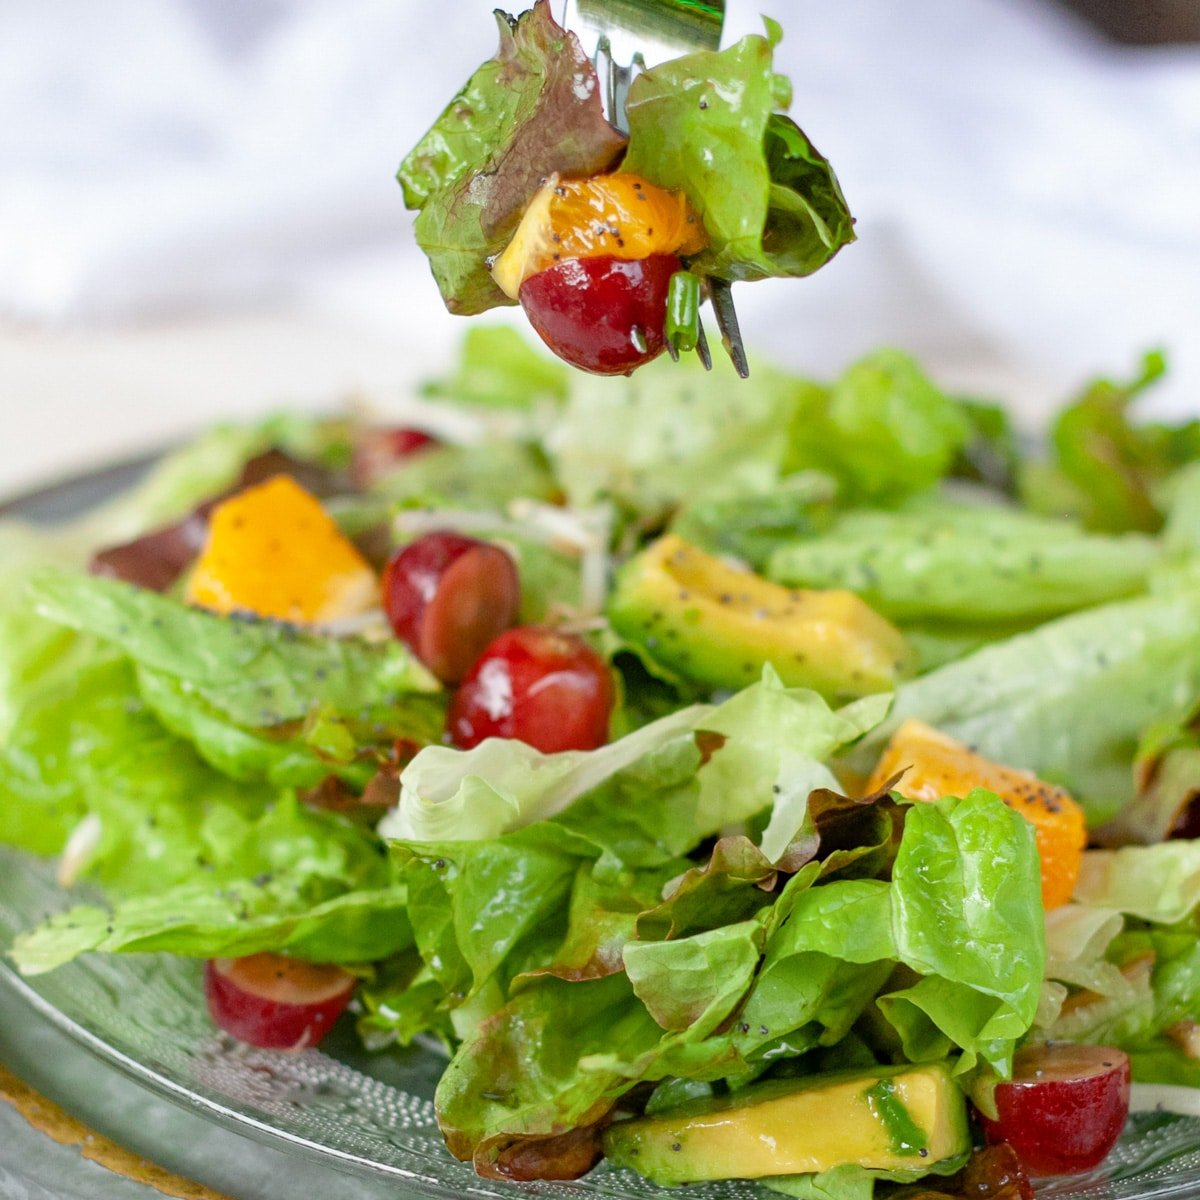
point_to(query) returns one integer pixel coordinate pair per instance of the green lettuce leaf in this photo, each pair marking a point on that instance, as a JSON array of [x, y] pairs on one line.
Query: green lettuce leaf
[[502, 785], [705, 124], [1105, 469], [314, 923], [671, 434], [928, 563], [883, 429], [485, 476], [1159, 884], [532, 111], [256, 673], [497, 368], [1167, 780], [774, 741], [751, 526], [968, 918], [1044, 700]]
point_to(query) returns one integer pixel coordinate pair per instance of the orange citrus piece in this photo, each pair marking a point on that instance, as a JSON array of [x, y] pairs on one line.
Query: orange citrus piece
[[273, 550], [616, 216], [939, 766]]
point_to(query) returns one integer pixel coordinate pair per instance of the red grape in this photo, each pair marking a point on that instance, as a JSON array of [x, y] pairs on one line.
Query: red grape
[[447, 596], [275, 1002], [603, 315], [1064, 1108], [550, 690]]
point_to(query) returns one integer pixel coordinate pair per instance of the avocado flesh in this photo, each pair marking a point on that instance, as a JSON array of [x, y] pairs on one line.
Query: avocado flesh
[[718, 625], [881, 1120]]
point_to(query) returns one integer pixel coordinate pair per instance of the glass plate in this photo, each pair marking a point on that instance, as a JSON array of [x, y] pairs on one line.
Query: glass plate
[[369, 1114]]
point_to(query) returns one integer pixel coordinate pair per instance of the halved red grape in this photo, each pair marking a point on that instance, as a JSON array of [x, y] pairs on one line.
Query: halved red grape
[[1064, 1108], [603, 315], [275, 1002], [551, 690], [448, 596]]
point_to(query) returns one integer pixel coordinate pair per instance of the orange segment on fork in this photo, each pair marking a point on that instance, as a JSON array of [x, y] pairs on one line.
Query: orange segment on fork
[[935, 765], [618, 216]]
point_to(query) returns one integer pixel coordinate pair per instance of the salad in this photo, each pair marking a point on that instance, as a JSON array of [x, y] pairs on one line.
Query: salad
[[528, 193], [792, 780]]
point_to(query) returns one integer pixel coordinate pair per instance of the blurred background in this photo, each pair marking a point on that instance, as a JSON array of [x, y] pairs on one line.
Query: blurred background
[[198, 215]]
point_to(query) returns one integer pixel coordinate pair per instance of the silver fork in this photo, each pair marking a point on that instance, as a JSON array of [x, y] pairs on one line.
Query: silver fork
[[631, 35]]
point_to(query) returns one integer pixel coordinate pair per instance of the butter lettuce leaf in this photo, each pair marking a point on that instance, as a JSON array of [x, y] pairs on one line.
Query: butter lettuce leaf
[[257, 673], [532, 111], [319, 923], [970, 564], [1159, 884], [497, 368], [1106, 468], [670, 435], [1068, 700], [883, 429], [706, 124]]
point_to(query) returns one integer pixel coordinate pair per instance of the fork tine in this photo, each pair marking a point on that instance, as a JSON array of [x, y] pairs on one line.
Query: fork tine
[[672, 349], [721, 293], [702, 346]]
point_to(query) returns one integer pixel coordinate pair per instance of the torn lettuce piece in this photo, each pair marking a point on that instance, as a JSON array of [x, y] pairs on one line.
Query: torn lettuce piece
[[1043, 700], [670, 435], [1104, 468], [882, 429], [706, 125], [497, 368], [1166, 774], [1159, 884], [767, 752], [307, 920], [485, 476], [970, 564], [539, 1073], [257, 673], [529, 113]]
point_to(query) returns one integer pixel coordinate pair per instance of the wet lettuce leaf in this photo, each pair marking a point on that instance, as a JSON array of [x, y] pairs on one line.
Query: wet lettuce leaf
[[198, 863], [768, 745], [970, 564], [706, 124], [532, 111]]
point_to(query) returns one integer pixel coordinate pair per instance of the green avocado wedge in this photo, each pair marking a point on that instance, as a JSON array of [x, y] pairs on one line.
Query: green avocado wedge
[[889, 1119], [718, 625]]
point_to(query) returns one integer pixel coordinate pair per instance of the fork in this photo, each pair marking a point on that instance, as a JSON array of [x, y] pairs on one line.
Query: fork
[[631, 35]]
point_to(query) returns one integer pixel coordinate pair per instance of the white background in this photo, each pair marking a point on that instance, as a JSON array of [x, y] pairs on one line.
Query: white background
[[198, 216]]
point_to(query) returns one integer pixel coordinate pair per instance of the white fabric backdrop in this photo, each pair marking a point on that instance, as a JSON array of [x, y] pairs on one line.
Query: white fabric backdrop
[[198, 215]]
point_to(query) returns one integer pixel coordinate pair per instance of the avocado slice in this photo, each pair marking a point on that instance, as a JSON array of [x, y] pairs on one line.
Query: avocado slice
[[907, 1118], [718, 625]]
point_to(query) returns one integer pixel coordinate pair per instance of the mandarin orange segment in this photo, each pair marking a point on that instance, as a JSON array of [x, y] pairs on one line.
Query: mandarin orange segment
[[935, 765], [273, 550], [615, 216]]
